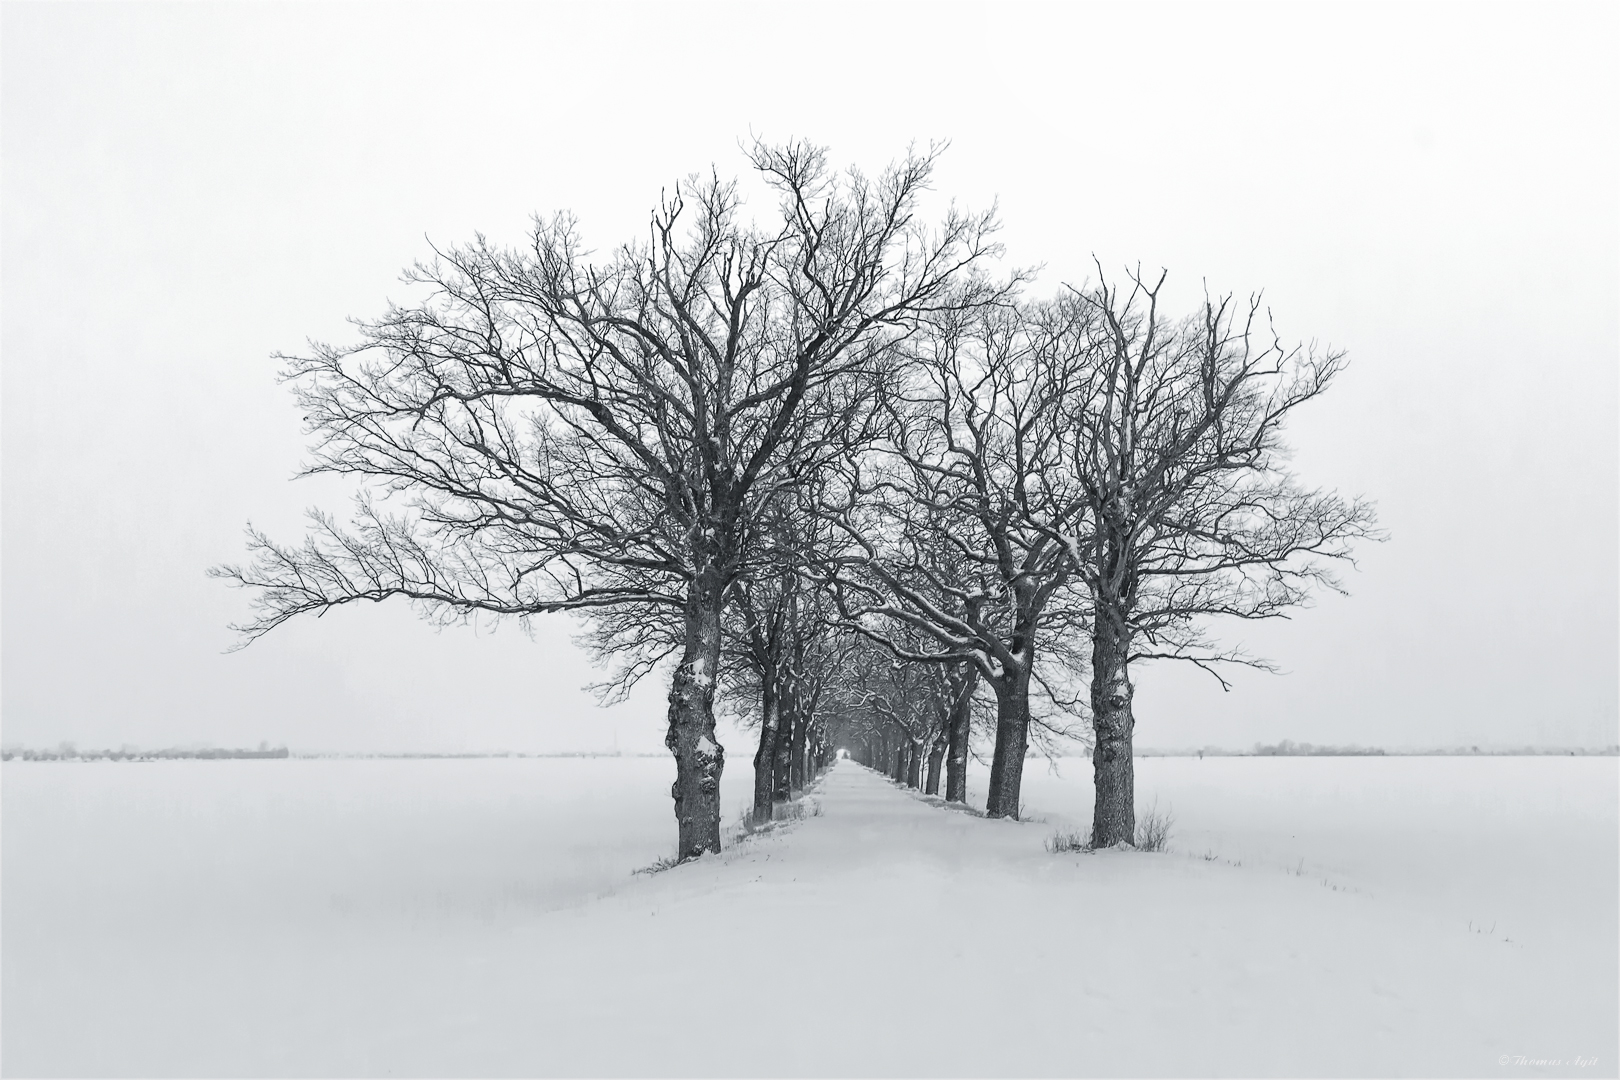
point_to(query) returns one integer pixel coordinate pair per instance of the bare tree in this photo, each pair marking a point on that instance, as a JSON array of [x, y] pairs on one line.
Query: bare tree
[[1175, 435], [948, 743], [889, 708], [914, 699], [762, 625], [818, 659], [960, 529], [565, 434], [783, 649]]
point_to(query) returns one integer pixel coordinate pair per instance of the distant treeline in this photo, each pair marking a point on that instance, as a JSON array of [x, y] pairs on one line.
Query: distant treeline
[[431, 755], [1289, 748], [69, 753]]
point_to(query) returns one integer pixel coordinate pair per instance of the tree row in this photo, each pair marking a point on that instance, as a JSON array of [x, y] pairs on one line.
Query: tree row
[[832, 468]]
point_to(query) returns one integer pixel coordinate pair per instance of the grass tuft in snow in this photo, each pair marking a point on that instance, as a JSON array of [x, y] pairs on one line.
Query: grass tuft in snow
[[790, 811], [1152, 834], [802, 806], [1060, 842], [1153, 829], [659, 866]]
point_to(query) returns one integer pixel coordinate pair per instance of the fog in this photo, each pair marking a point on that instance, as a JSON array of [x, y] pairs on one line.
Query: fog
[[188, 189]]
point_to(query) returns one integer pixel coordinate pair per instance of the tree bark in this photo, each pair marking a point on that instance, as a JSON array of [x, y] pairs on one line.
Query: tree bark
[[800, 744], [765, 756], [936, 756], [782, 764], [914, 767], [1113, 820], [1012, 742], [803, 703], [699, 759], [956, 755]]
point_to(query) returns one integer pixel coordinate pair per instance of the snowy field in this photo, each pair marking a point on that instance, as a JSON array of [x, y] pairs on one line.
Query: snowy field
[[1330, 917]]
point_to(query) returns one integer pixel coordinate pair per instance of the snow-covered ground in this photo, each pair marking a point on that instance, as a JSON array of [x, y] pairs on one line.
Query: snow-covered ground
[[1343, 916]]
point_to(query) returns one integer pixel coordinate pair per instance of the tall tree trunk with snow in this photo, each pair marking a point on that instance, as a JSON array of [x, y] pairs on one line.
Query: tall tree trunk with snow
[[765, 756], [802, 702], [800, 747], [1012, 743], [936, 754], [1113, 820], [782, 764], [914, 766], [699, 759], [956, 754]]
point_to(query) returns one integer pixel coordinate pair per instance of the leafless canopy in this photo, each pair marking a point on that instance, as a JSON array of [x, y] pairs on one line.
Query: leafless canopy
[[559, 433], [959, 527], [1175, 435], [834, 425], [564, 433]]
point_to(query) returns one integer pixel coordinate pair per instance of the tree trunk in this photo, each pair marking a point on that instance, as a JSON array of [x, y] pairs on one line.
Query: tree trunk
[[914, 767], [936, 755], [898, 772], [787, 708], [1012, 742], [699, 759], [1113, 820], [801, 748], [803, 706], [784, 750], [765, 756], [956, 755]]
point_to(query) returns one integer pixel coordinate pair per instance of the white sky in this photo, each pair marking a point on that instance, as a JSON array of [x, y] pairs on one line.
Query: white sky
[[188, 188]]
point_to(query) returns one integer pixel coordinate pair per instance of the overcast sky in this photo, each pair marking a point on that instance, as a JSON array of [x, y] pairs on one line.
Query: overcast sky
[[189, 188]]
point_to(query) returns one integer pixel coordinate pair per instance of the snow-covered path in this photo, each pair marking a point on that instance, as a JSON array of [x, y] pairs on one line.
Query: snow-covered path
[[906, 939], [885, 936]]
